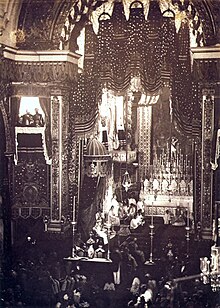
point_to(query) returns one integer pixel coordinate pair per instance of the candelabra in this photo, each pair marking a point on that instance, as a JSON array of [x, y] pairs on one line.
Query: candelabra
[[46, 222], [108, 225], [150, 261], [187, 240], [73, 223], [187, 228], [211, 269]]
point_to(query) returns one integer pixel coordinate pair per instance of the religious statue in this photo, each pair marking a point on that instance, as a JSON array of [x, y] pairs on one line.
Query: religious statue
[[182, 187], [164, 185], [38, 118], [174, 142], [93, 170], [26, 119], [146, 186]]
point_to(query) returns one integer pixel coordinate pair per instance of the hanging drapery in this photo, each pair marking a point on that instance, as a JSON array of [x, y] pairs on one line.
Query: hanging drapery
[[144, 139], [91, 196], [86, 93], [182, 85], [136, 47], [148, 50], [15, 105]]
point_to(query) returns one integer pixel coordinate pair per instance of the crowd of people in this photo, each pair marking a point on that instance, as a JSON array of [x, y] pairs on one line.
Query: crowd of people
[[129, 212], [46, 280]]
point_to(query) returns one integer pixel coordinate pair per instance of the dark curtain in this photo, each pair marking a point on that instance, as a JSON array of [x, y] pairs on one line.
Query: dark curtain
[[182, 89], [15, 105], [45, 105], [134, 48], [216, 127], [91, 197]]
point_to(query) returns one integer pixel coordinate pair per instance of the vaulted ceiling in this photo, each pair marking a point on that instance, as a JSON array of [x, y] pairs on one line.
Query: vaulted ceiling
[[42, 24]]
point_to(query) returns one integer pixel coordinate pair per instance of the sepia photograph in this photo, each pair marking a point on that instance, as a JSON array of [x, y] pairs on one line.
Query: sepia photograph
[[110, 153]]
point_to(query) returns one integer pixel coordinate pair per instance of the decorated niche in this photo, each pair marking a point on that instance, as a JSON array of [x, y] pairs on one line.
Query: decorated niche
[[31, 171], [31, 117]]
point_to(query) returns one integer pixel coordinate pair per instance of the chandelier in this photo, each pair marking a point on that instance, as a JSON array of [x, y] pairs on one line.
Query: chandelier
[[211, 269], [126, 182]]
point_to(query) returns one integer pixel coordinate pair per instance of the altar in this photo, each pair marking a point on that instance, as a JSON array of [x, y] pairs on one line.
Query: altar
[[162, 203], [90, 267]]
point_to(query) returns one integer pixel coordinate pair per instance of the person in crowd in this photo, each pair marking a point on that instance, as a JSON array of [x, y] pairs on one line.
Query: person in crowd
[[132, 210], [112, 218], [137, 223], [140, 206], [135, 286], [136, 252], [132, 200], [128, 263], [101, 231], [179, 219], [116, 258], [167, 217]]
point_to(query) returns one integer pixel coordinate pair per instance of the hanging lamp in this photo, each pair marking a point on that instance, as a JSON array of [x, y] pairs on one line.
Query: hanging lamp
[[126, 182]]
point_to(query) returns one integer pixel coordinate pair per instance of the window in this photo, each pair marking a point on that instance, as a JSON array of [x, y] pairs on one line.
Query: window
[[30, 112]]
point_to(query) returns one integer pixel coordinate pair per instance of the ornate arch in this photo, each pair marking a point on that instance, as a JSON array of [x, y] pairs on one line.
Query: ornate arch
[[4, 91], [51, 25]]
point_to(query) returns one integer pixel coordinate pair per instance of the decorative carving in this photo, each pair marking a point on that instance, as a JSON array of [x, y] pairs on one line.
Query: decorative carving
[[35, 24], [206, 15], [32, 130], [24, 89], [4, 106], [39, 71], [57, 30], [30, 193], [64, 141], [207, 130], [206, 71], [55, 210], [31, 182], [29, 212], [144, 141]]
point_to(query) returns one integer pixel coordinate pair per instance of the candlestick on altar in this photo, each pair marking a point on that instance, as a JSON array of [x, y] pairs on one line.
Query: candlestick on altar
[[108, 225], [73, 226], [187, 232], [150, 261], [74, 209], [73, 239], [187, 213], [152, 214]]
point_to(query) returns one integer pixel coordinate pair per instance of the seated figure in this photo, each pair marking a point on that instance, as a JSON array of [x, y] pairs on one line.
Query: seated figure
[[112, 218], [101, 231], [137, 222], [167, 217]]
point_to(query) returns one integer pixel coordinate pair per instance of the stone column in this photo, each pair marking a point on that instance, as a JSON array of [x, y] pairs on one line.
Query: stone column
[[59, 203], [206, 170]]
